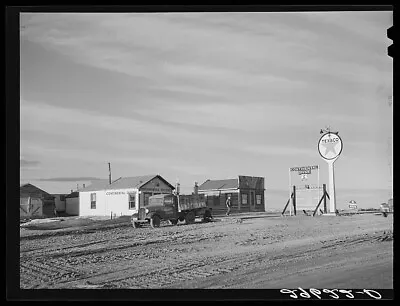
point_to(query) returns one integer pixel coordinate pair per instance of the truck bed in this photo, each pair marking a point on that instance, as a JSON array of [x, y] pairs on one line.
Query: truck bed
[[189, 202]]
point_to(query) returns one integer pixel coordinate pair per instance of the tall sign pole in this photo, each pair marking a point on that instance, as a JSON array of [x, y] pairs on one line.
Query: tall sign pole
[[290, 194], [332, 196], [329, 147], [319, 188]]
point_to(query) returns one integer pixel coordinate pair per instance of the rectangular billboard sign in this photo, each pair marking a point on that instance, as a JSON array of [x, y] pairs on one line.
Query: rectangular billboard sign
[[307, 168]]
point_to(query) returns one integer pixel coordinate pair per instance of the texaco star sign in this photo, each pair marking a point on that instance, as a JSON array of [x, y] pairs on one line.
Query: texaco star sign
[[330, 146]]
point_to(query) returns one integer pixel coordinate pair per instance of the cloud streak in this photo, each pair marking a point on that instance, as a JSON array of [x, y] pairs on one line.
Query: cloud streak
[[28, 163], [69, 179]]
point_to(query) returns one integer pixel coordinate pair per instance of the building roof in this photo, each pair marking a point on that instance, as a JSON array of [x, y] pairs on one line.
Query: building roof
[[125, 182], [74, 194], [32, 190], [131, 182], [219, 184], [95, 185]]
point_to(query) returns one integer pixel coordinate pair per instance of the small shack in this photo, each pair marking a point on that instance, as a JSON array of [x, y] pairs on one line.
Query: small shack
[[35, 202], [59, 200]]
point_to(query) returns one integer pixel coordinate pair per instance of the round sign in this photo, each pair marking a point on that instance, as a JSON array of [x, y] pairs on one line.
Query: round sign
[[330, 146]]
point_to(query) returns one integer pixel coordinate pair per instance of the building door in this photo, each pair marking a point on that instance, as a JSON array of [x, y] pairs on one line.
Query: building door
[[216, 200], [252, 200], [31, 207], [147, 195]]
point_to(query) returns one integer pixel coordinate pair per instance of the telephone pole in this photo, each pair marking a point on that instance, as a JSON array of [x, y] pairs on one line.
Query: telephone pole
[[109, 173]]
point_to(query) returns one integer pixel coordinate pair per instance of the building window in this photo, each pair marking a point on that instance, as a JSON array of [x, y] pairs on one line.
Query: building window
[[258, 199], [92, 201], [132, 200], [244, 198], [62, 197]]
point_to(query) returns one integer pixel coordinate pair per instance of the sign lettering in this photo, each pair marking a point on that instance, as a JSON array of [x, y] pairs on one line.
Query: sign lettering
[[164, 190], [115, 192], [330, 146], [308, 168]]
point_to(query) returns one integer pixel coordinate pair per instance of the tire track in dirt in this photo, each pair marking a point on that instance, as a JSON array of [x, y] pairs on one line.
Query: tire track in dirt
[[44, 272], [112, 262], [196, 268], [259, 262], [303, 253], [210, 266], [143, 253], [160, 277], [81, 255]]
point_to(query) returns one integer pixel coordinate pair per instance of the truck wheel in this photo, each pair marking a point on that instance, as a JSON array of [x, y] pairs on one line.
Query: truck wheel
[[182, 218], [173, 222], [207, 216], [155, 221], [189, 218], [136, 224]]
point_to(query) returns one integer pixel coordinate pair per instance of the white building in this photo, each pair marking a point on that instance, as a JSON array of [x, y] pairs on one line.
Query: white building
[[122, 197], [72, 200]]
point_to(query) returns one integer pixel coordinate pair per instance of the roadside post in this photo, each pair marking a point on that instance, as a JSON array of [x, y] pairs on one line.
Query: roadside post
[[330, 147], [290, 195]]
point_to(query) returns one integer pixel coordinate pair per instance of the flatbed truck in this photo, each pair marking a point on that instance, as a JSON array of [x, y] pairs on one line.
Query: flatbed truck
[[172, 208]]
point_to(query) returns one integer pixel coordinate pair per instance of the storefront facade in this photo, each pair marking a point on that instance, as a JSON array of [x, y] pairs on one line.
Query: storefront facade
[[246, 192], [122, 197]]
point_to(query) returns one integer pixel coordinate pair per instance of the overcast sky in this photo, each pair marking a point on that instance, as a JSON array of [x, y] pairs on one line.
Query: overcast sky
[[196, 96]]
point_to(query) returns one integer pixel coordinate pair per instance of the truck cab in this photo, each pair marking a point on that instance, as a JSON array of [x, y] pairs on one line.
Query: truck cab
[[163, 205]]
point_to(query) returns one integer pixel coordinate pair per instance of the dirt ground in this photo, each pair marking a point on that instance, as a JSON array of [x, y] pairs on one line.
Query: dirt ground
[[270, 252]]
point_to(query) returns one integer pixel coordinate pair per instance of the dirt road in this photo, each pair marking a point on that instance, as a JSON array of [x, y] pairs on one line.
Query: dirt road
[[284, 252]]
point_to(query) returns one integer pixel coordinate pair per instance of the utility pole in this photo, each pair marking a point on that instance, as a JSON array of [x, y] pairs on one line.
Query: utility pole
[[109, 173]]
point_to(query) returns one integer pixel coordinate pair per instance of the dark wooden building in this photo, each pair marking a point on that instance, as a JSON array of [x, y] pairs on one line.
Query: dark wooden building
[[35, 203], [247, 193]]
